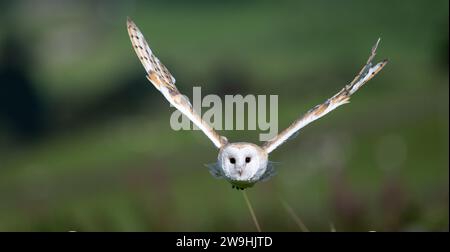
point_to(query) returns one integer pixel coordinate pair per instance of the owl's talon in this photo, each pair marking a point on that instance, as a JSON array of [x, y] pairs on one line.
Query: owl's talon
[[236, 187]]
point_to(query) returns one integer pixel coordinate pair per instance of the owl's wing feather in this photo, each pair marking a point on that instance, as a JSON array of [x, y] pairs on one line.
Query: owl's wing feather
[[163, 80], [342, 97]]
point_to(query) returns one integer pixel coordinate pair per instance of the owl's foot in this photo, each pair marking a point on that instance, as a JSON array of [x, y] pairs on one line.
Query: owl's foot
[[238, 188]]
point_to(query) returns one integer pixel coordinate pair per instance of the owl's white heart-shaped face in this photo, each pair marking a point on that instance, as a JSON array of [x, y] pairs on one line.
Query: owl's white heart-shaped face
[[243, 161]]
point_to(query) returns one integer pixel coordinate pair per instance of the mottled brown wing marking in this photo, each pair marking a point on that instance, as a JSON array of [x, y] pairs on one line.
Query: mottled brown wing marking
[[319, 109], [146, 48], [156, 80], [163, 73], [153, 78], [152, 59], [382, 64], [172, 89], [162, 79], [140, 45], [166, 73], [368, 65], [342, 97]]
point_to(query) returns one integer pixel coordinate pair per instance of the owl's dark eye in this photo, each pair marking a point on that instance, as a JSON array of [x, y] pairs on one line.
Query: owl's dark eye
[[248, 159], [232, 160]]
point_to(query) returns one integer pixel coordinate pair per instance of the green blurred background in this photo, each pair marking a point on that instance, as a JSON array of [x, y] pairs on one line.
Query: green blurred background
[[85, 140]]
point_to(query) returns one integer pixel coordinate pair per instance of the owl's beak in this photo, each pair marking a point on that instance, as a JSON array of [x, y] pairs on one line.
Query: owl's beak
[[239, 170]]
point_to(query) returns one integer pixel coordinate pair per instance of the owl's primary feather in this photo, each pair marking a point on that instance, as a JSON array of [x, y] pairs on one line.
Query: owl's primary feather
[[163, 80], [342, 97]]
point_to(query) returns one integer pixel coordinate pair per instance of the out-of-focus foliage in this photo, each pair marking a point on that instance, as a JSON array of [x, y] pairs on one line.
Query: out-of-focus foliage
[[85, 140]]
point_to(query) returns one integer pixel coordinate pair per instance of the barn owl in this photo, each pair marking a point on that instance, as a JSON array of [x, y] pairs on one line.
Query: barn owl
[[240, 163]]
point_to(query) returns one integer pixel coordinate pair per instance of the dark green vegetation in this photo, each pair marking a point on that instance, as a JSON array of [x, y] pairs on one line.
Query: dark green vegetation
[[99, 153]]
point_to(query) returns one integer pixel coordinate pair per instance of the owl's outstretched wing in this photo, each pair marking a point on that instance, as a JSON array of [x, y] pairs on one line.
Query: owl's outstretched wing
[[343, 97], [161, 78]]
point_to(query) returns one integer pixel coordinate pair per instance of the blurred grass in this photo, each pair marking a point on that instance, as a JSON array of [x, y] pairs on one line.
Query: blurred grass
[[132, 172]]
